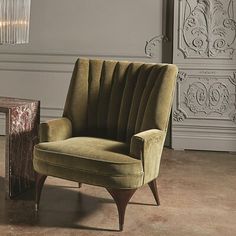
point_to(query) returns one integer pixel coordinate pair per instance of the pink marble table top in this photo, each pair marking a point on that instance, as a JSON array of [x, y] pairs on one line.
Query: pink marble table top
[[8, 102]]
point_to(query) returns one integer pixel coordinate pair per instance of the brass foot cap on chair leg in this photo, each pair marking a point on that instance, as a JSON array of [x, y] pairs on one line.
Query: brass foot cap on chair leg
[[121, 227]]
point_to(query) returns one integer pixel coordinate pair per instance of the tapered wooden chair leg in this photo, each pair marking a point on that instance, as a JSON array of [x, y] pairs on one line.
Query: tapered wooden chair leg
[[40, 179], [121, 198], [79, 185], [153, 187]]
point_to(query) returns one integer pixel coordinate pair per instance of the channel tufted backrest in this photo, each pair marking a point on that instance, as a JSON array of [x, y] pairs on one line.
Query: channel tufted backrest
[[115, 99]]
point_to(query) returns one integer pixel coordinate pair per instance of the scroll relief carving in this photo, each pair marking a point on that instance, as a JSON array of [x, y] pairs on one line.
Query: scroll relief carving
[[182, 76], [207, 98], [207, 29], [233, 117], [151, 47], [178, 116], [233, 78]]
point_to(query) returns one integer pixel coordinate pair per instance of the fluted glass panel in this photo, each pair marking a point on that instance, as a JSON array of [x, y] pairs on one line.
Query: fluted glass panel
[[14, 21]]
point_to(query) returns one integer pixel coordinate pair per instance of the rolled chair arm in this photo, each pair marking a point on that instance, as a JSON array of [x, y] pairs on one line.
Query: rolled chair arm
[[55, 130], [147, 146]]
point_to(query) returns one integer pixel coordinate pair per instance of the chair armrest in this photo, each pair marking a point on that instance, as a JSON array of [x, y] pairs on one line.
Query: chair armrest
[[147, 146], [55, 130]]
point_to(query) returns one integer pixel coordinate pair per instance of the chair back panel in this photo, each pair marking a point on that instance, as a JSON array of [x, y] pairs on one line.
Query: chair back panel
[[115, 99]]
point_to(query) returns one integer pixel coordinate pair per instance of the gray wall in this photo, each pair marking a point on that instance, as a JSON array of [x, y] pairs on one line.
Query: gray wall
[[60, 31]]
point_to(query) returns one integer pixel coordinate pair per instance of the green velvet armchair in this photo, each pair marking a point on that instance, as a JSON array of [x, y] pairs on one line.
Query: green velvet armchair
[[112, 131]]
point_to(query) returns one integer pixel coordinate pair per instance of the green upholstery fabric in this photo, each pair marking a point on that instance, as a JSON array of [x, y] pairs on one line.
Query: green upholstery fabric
[[110, 106], [147, 146], [53, 130], [97, 161]]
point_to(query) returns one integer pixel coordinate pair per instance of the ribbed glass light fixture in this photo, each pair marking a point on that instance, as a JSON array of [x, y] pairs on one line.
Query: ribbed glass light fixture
[[14, 21]]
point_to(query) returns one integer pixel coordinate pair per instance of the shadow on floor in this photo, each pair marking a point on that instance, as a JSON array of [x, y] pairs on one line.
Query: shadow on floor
[[61, 206]]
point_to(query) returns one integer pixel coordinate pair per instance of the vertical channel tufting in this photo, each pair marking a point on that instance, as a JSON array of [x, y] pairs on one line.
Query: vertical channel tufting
[[77, 98], [153, 76], [104, 96], [130, 82], [95, 73], [160, 99], [149, 118], [143, 75], [115, 99]]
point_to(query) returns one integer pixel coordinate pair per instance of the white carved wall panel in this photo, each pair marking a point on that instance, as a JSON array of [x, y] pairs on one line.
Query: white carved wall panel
[[205, 51], [205, 29], [208, 29], [205, 95]]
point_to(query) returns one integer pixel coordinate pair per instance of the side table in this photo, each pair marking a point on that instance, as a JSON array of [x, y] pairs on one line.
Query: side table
[[22, 123]]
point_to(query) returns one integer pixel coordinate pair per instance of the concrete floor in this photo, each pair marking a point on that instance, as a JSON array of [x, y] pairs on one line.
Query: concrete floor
[[197, 192]]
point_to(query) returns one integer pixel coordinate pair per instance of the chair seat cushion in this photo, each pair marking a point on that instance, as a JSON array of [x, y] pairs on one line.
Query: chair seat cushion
[[89, 160]]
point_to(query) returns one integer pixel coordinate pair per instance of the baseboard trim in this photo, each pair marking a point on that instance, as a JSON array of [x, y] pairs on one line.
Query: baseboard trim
[[226, 144]]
